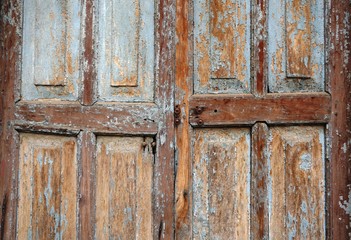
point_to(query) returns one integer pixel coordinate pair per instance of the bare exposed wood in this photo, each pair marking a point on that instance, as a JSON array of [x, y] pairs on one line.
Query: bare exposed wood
[[259, 218], [10, 51], [183, 84], [246, 109], [260, 47], [86, 187], [124, 188], [87, 64], [339, 69], [120, 118], [163, 212], [221, 184], [48, 186], [297, 182]]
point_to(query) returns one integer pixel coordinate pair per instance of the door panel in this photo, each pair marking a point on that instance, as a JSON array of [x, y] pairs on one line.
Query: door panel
[[47, 188], [222, 46], [51, 38], [124, 188], [297, 182], [296, 46], [126, 53], [221, 183]]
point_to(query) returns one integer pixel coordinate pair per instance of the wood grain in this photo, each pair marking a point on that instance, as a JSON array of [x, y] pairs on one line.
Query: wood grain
[[259, 214], [87, 164], [339, 69], [124, 188], [183, 86], [163, 208], [297, 183], [49, 185], [120, 118], [10, 52], [221, 184], [274, 108]]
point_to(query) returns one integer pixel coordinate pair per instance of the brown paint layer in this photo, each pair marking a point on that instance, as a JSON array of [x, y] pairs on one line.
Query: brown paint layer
[[340, 135], [124, 118], [274, 108]]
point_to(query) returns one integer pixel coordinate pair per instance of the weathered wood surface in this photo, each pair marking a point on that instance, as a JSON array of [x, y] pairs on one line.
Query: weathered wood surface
[[10, 52], [87, 178], [339, 69], [118, 118], [297, 183], [124, 173], [221, 184], [296, 46], [163, 214], [259, 38], [183, 84], [259, 214], [88, 46], [273, 108], [222, 46], [47, 193], [126, 52], [51, 39]]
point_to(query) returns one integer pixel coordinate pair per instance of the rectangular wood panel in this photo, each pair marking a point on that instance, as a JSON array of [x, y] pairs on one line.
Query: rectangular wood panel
[[124, 188], [126, 50], [222, 46], [296, 46], [297, 183], [47, 187], [51, 39], [221, 184]]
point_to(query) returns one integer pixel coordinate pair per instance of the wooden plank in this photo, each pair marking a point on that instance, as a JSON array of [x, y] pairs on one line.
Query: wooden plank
[[222, 46], [246, 109], [296, 46], [183, 90], [10, 55], [339, 68], [163, 211], [50, 67], [87, 182], [260, 9], [297, 184], [88, 64], [47, 195], [124, 187], [126, 58], [221, 184], [120, 118], [259, 213]]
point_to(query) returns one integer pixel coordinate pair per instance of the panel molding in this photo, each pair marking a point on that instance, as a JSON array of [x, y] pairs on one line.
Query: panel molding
[[51, 40]]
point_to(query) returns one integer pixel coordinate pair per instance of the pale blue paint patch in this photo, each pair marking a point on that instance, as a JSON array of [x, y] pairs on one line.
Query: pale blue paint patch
[[279, 77], [306, 162], [122, 55], [51, 40]]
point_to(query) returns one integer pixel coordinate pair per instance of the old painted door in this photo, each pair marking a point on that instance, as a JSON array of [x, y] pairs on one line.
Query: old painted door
[[263, 137], [86, 119]]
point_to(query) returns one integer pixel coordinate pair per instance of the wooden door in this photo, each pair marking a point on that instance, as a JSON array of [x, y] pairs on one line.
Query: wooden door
[[263, 134], [86, 119]]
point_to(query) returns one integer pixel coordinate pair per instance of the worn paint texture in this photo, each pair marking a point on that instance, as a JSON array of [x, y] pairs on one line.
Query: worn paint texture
[[297, 183], [124, 170], [296, 46], [51, 39], [47, 187], [222, 46], [126, 55], [221, 184]]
